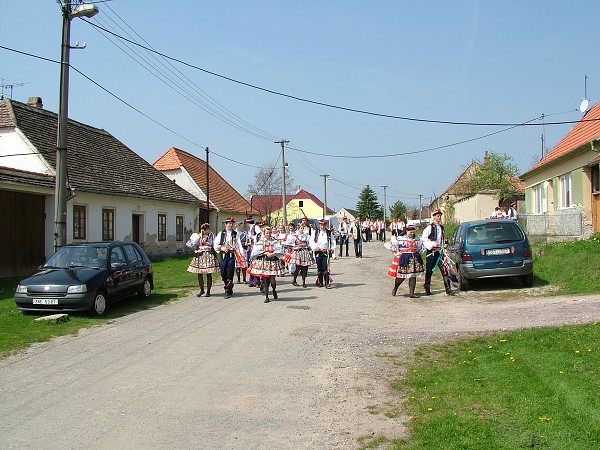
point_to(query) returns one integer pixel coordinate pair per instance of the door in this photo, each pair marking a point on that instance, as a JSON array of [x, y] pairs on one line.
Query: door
[[136, 220]]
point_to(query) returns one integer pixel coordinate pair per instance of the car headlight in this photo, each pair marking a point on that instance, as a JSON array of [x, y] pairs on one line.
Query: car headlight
[[80, 288], [21, 289]]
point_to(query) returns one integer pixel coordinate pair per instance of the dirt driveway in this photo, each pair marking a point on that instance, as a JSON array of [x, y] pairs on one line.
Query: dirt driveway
[[305, 371]]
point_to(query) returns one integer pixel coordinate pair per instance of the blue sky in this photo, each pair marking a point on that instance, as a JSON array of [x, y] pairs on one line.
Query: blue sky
[[460, 61]]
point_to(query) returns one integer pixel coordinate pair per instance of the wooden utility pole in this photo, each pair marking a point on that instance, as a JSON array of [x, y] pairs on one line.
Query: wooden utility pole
[[283, 165]]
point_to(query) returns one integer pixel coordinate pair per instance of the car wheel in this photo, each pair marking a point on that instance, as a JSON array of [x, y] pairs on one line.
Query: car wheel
[[527, 280], [100, 305], [145, 289], [463, 282]]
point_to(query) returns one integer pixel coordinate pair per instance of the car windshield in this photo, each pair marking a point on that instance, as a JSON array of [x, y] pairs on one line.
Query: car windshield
[[494, 233], [73, 257]]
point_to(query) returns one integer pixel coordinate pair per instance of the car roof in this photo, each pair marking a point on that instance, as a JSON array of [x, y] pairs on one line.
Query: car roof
[[486, 221], [100, 244]]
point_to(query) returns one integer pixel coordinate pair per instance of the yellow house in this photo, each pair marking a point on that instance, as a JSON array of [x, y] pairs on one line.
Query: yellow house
[[301, 204]]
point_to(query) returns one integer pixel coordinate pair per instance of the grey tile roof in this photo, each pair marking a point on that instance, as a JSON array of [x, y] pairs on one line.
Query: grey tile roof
[[97, 161]]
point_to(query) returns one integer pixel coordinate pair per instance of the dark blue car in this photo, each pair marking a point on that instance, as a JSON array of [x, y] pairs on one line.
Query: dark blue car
[[490, 249], [87, 277]]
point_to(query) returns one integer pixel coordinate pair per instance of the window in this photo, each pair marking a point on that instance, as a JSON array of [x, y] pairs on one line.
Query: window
[[566, 198], [539, 199], [108, 224], [132, 253], [162, 227], [79, 221], [300, 203], [179, 228]]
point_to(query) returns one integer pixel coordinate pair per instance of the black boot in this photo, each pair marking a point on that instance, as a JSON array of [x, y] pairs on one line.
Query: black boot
[[201, 285], [397, 283], [208, 284]]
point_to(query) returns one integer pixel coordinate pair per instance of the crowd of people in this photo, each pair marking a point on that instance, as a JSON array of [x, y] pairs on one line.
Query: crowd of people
[[256, 254]]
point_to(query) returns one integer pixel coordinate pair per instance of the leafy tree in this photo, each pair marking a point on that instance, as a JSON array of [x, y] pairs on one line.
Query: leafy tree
[[398, 210], [367, 205], [497, 173]]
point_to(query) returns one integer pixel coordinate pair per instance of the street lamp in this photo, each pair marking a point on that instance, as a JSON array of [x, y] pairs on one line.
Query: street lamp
[[60, 190]]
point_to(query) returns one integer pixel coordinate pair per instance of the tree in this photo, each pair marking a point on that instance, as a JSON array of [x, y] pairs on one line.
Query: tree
[[398, 210], [497, 173], [367, 205], [267, 182]]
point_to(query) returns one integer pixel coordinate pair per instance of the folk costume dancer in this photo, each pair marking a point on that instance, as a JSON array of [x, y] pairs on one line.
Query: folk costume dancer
[[407, 261], [226, 244], [284, 239], [204, 261], [343, 229], [266, 262], [302, 256], [382, 228], [323, 244], [433, 239], [355, 231], [512, 212], [253, 231]]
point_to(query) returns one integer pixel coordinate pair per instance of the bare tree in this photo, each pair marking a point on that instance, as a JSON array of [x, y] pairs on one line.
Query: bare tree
[[267, 183]]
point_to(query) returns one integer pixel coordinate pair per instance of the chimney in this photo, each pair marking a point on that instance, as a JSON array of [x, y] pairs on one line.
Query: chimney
[[36, 102], [298, 188], [485, 158]]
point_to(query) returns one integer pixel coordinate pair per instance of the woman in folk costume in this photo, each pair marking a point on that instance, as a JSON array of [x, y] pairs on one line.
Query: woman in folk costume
[[287, 242], [407, 261], [302, 255], [205, 261], [247, 244], [266, 262], [241, 261]]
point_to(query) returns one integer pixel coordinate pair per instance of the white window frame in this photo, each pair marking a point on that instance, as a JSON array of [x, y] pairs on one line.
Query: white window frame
[[540, 202], [566, 191]]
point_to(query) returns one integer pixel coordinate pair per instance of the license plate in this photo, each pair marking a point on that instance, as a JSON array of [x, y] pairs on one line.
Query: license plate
[[45, 301], [497, 251]]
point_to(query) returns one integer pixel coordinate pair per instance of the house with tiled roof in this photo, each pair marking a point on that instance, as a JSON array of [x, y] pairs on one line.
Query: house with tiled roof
[[298, 205], [205, 183], [562, 189], [114, 193]]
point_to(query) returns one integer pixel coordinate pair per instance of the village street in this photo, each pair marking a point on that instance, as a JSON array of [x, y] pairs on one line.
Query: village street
[[305, 371]]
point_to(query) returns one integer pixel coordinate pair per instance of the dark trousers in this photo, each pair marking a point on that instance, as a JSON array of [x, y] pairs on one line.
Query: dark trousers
[[343, 241], [323, 273], [358, 247], [431, 260], [227, 267]]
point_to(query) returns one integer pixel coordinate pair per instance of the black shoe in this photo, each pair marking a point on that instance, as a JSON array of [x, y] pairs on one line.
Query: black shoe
[[394, 291], [266, 300], [447, 287], [200, 294], [303, 285], [275, 296], [227, 295], [295, 284], [207, 294], [427, 290], [413, 296]]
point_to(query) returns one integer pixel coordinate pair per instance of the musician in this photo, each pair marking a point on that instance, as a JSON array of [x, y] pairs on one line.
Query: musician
[[204, 261], [343, 229], [355, 230], [407, 260], [266, 262], [227, 244]]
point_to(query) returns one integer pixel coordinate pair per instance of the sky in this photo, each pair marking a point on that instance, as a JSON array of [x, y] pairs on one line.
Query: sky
[[358, 88]]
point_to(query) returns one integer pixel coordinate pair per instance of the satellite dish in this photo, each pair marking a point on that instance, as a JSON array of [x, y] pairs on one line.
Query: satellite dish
[[584, 105]]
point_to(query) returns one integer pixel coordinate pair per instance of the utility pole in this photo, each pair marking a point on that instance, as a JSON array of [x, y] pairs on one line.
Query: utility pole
[[325, 194], [384, 204], [207, 193], [283, 165], [60, 188], [420, 209]]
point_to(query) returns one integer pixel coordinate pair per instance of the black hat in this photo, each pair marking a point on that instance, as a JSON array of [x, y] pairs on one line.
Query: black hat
[[410, 228], [230, 219]]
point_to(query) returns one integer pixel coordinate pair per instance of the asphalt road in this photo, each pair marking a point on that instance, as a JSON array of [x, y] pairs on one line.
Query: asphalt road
[[304, 371]]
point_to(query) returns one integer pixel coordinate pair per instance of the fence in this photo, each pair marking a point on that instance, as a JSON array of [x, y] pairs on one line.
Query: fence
[[559, 223]]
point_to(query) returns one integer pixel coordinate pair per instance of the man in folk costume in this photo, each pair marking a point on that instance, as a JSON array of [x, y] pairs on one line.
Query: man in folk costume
[[343, 230], [433, 240], [512, 212], [226, 244], [407, 261], [382, 228], [400, 227], [240, 269], [355, 230], [323, 244]]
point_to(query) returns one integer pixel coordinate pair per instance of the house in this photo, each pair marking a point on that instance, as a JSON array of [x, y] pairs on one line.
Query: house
[[301, 204], [351, 214], [460, 203], [562, 189], [190, 172], [115, 194]]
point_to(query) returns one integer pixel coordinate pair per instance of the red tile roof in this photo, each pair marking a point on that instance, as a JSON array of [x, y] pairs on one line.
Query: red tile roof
[[221, 193], [582, 132]]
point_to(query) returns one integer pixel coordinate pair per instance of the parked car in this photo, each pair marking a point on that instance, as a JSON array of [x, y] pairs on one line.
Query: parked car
[[87, 277], [490, 249]]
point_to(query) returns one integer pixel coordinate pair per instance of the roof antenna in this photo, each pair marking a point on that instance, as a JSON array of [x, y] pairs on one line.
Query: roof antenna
[[583, 107]]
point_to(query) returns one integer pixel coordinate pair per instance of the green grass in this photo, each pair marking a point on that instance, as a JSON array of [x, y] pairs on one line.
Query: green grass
[[573, 266], [18, 330], [533, 388]]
